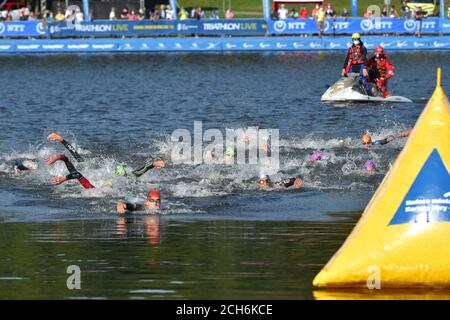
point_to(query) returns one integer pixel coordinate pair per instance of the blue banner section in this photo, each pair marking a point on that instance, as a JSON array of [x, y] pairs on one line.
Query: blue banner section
[[254, 27], [445, 26], [216, 44], [347, 26], [428, 199], [22, 29], [158, 28]]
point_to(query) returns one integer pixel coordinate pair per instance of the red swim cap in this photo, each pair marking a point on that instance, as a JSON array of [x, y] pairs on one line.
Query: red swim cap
[[153, 194]]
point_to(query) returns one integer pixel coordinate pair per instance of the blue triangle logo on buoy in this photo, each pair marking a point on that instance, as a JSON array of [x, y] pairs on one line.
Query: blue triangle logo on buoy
[[428, 199]]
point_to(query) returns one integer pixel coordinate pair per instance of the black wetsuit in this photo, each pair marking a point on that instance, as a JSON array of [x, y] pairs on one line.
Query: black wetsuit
[[72, 151], [21, 167], [74, 174], [284, 183], [381, 142], [137, 173], [288, 182], [134, 206]]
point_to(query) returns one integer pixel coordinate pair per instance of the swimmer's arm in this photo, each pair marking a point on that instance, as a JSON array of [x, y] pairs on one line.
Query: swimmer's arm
[[81, 179], [72, 150], [294, 181], [134, 206], [74, 174], [285, 183], [67, 145], [384, 141], [153, 164], [404, 134], [123, 207]]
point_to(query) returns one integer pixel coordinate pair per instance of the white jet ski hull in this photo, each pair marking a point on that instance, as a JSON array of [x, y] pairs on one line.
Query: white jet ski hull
[[348, 89]]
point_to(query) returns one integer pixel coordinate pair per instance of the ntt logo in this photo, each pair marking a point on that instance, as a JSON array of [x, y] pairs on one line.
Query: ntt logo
[[366, 25], [2, 28], [409, 25], [279, 26]]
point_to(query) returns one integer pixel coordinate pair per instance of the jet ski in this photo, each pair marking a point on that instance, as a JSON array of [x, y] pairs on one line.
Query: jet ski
[[352, 89]]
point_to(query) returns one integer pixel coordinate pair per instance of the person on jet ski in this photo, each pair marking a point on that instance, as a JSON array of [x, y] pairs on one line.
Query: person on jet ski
[[356, 60], [380, 70]]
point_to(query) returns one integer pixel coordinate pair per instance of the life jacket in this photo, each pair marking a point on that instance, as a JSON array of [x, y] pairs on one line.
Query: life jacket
[[382, 66], [355, 55]]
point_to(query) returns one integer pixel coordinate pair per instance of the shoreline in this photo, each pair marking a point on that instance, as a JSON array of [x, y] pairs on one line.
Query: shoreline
[[214, 44]]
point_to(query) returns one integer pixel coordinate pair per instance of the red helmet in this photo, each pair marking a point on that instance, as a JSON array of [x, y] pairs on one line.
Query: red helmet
[[379, 49]]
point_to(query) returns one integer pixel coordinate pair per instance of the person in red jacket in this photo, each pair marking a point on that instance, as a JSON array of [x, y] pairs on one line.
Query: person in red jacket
[[380, 70], [355, 61], [303, 13]]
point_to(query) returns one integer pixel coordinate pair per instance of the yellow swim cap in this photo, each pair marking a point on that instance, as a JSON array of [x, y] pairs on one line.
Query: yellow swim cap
[[356, 35]]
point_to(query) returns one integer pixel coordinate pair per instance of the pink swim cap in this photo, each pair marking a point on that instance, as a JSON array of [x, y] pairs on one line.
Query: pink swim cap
[[369, 165], [316, 155]]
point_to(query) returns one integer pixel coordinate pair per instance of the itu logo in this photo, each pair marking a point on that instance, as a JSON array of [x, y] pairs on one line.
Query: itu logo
[[279, 25], [2, 28], [40, 28], [409, 25], [366, 25]]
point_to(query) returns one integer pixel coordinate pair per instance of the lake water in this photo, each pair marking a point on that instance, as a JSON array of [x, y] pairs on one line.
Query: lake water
[[218, 235]]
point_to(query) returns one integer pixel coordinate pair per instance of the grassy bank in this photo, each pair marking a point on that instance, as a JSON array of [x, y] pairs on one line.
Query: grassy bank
[[253, 8]]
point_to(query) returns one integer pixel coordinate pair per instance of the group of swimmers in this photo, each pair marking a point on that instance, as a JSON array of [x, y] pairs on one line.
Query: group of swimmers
[[367, 141], [153, 200]]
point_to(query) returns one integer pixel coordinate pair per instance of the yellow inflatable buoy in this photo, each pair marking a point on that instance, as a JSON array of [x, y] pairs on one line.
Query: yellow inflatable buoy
[[403, 236]]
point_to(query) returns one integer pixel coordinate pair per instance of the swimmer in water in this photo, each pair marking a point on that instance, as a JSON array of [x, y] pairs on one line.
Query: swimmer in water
[[366, 139], [317, 155], [265, 182], [228, 156], [24, 166], [153, 202], [73, 173], [369, 166], [120, 169], [56, 137]]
